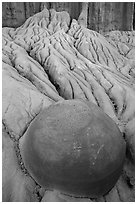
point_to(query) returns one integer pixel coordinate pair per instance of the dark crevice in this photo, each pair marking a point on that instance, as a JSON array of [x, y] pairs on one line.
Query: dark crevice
[[128, 150], [128, 180], [56, 85], [20, 160], [69, 26], [59, 90], [114, 104], [95, 97], [72, 90], [124, 108], [8, 131], [112, 59], [38, 193]]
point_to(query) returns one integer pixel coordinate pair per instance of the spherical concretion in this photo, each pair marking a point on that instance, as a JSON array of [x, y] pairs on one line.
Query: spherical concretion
[[74, 147]]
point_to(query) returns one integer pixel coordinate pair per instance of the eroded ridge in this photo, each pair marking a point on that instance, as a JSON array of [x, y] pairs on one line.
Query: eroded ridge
[[51, 58]]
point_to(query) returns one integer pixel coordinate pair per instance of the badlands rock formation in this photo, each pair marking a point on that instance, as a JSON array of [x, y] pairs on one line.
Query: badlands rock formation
[[51, 58]]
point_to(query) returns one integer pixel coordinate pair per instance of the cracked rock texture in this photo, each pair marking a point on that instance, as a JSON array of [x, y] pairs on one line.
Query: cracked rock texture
[[51, 58]]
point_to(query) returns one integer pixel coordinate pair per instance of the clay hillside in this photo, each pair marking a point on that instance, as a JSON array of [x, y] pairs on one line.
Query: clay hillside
[[52, 58]]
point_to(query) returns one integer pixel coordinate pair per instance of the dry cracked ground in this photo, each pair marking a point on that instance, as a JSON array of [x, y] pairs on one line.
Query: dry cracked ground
[[51, 58]]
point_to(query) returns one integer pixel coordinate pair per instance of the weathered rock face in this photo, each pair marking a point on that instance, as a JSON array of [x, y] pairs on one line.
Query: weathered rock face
[[98, 16], [48, 59], [108, 16]]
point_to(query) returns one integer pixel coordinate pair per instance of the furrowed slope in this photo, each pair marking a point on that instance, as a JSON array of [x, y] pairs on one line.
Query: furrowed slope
[[51, 58]]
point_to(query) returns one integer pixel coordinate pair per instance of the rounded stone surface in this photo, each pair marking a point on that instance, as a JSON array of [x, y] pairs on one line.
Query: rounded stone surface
[[74, 147]]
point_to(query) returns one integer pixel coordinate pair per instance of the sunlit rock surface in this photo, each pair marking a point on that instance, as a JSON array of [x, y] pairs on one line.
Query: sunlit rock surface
[[51, 58]]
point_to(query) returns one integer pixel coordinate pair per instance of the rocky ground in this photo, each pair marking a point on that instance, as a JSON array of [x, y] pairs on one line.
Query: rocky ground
[[51, 58]]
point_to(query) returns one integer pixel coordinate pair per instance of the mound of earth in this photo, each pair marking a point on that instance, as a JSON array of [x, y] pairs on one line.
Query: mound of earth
[[51, 58]]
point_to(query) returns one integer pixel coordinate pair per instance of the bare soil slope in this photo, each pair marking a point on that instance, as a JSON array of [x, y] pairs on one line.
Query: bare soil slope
[[51, 58]]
